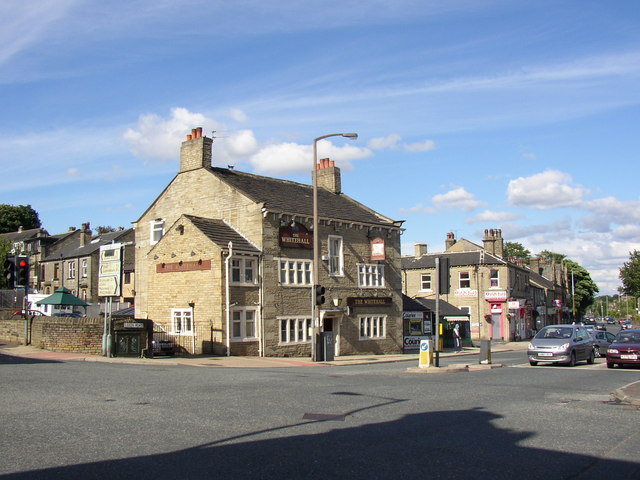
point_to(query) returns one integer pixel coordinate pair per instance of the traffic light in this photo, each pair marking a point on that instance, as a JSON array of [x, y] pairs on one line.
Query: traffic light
[[319, 291], [10, 272], [22, 271], [444, 285]]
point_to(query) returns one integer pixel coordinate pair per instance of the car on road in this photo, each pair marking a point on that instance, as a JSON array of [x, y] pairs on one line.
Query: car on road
[[601, 326], [31, 313], [626, 325], [625, 349], [564, 344], [601, 342]]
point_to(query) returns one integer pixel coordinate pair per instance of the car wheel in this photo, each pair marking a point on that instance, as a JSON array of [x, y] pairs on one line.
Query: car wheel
[[596, 351], [572, 360], [592, 358], [533, 363], [610, 365]]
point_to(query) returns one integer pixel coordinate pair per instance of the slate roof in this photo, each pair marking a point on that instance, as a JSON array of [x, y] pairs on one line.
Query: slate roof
[[456, 259], [221, 234], [296, 198], [74, 250], [24, 235], [541, 281], [426, 304]]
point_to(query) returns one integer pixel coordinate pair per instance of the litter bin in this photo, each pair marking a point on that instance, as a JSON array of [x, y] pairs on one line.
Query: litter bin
[[485, 351]]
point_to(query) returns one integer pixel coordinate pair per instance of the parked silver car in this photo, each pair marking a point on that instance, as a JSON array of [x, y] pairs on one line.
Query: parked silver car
[[566, 344], [601, 341]]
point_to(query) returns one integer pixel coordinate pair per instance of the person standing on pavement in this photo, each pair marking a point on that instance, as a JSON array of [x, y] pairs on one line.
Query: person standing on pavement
[[457, 340]]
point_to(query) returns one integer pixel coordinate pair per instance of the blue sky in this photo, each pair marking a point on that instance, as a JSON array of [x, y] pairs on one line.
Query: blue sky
[[471, 114]]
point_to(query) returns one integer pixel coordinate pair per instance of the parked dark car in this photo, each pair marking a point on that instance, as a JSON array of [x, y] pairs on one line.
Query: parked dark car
[[601, 342], [601, 326], [163, 344], [565, 344], [625, 349]]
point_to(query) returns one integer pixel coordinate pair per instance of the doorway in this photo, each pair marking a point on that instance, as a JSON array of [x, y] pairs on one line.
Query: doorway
[[331, 324], [495, 326]]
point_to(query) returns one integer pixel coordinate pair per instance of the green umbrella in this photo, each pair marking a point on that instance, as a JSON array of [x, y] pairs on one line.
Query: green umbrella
[[62, 296]]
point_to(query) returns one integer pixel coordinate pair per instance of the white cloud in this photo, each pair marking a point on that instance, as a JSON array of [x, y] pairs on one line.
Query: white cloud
[[380, 143], [425, 146], [457, 198], [159, 139], [292, 157], [392, 141], [488, 216], [281, 158], [241, 143], [238, 115], [419, 208], [546, 190]]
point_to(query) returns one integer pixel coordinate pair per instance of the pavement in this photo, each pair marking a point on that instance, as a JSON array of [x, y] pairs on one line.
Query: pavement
[[628, 394]]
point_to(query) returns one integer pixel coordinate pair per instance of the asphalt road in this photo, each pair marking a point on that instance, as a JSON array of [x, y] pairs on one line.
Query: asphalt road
[[96, 420]]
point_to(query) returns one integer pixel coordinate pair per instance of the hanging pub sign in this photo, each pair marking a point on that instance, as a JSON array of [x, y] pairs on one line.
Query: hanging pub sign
[[295, 235], [377, 249]]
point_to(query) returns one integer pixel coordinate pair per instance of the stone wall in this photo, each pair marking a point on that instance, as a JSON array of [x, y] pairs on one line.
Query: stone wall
[[59, 334]]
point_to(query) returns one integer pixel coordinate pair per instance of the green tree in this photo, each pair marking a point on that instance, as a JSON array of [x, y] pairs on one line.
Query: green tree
[[517, 250], [584, 287], [630, 275], [12, 217], [552, 256], [5, 247]]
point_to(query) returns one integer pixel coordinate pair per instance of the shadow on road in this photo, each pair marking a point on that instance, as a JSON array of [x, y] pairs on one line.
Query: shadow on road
[[15, 360], [459, 444]]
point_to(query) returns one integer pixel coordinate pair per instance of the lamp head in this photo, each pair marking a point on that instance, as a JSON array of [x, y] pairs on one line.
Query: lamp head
[[352, 136]]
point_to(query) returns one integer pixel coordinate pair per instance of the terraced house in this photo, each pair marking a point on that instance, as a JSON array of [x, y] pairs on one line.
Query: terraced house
[[224, 262], [496, 293]]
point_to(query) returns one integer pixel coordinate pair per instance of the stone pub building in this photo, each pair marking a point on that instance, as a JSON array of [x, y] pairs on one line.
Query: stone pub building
[[224, 263]]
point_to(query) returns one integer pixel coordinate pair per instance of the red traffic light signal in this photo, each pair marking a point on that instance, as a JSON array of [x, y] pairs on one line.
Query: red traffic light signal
[[22, 271]]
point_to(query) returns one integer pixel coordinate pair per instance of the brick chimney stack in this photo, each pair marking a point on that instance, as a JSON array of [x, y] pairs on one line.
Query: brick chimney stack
[[450, 241], [493, 242], [195, 151], [328, 176], [85, 234], [420, 249]]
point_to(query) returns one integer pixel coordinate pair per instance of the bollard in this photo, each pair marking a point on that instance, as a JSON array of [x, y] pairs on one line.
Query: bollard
[[426, 353], [485, 352]]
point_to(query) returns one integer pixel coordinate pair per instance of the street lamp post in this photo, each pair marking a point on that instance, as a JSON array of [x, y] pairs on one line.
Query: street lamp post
[[315, 317]]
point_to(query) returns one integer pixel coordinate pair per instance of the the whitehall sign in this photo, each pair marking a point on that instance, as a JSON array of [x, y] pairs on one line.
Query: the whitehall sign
[[296, 236]]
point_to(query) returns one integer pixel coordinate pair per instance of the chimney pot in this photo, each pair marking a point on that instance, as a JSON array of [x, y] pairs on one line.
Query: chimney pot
[[189, 137], [199, 130]]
